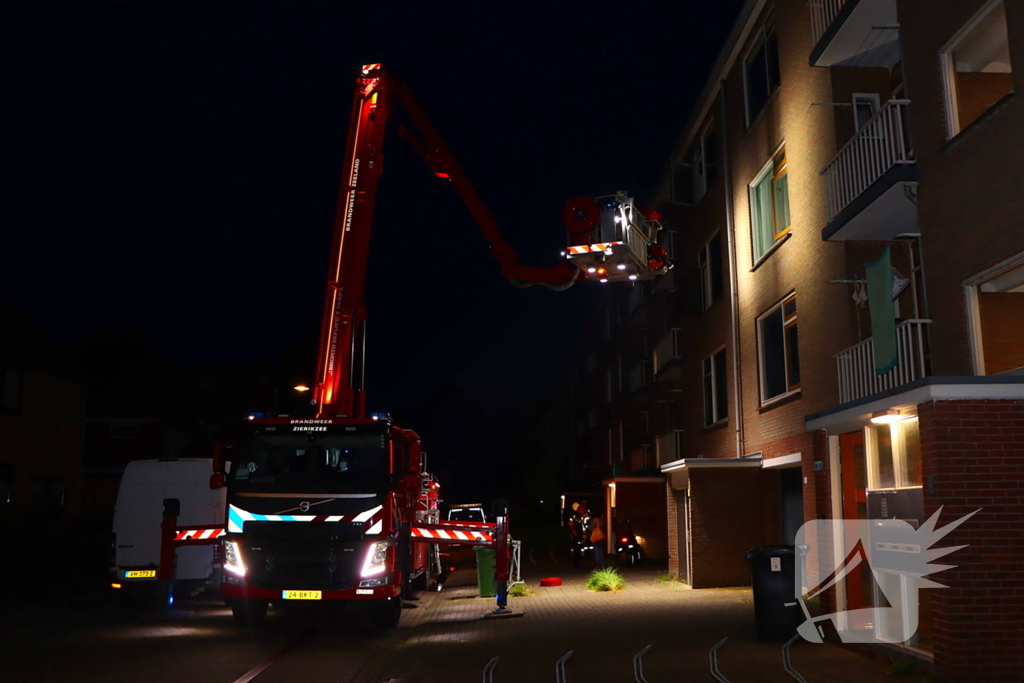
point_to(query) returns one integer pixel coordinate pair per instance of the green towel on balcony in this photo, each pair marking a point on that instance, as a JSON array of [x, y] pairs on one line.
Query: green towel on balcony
[[883, 313]]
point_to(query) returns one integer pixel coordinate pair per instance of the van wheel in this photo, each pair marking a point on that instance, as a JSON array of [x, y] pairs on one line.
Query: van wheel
[[387, 612], [249, 612]]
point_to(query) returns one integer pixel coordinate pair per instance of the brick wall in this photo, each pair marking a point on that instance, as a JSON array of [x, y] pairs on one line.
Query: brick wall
[[969, 199], [726, 509], [974, 458], [672, 504]]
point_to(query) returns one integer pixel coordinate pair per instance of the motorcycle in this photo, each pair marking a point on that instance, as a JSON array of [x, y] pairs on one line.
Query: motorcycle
[[627, 549]]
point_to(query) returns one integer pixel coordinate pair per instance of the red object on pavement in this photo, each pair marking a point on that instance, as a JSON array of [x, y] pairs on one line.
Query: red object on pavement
[[551, 581]]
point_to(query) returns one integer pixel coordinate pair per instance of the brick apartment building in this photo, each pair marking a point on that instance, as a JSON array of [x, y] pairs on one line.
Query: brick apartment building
[[42, 410], [839, 149]]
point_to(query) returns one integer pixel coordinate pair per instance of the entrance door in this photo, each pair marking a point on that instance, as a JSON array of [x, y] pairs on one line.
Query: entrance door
[[791, 495], [853, 470]]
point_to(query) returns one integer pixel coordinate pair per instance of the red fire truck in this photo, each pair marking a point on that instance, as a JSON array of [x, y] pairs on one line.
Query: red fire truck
[[338, 506]]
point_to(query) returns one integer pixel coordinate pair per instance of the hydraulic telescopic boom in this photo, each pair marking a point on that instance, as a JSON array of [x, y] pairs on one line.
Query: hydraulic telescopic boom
[[341, 359]]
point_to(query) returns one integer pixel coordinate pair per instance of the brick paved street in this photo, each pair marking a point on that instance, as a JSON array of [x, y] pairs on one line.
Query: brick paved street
[[444, 639]]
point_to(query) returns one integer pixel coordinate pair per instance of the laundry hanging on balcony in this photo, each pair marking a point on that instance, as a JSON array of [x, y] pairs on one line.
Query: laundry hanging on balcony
[[883, 312]]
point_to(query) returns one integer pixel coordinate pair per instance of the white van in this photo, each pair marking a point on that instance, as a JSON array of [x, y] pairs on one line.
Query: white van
[[139, 513]]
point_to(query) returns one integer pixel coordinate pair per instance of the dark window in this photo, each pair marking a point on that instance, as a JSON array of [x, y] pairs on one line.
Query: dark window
[[10, 390], [692, 177], [716, 397], [780, 356], [761, 70], [6, 485], [709, 262], [124, 431], [48, 493]]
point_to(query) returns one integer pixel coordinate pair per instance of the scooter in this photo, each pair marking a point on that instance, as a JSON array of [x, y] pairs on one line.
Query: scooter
[[626, 547]]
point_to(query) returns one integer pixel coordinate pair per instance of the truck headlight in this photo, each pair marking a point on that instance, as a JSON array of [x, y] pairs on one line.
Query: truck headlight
[[375, 559], [233, 558]]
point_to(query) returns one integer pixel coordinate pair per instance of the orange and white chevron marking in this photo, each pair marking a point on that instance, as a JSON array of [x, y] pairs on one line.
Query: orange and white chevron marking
[[199, 534], [586, 248]]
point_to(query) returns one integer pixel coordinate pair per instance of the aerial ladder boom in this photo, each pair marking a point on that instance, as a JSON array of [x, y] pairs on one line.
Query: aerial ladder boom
[[340, 389]]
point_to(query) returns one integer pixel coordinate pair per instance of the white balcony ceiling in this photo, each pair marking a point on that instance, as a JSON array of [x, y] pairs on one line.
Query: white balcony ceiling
[[857, 41], [892, 214]]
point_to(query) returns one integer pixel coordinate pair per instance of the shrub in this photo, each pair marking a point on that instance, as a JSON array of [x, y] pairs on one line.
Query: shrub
[[605, 580], [520, 590]]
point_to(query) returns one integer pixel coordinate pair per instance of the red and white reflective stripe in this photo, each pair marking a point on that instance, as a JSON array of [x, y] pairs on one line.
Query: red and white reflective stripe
[[451, 534], [579, 250], [199, 534]]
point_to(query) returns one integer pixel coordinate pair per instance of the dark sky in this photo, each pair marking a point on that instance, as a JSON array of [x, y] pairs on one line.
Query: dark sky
[[177, 167]]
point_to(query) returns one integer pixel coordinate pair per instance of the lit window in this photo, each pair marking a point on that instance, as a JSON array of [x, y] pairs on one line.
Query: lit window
[[716, 401], [977, 69], [778, 347], [894, 455], [769, 205], [761, 69]]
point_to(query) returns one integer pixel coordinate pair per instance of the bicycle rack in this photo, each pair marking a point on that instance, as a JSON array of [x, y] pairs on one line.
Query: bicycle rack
[[638, 665], [787, 664], [489, 670], [713, 656], [560, 667]]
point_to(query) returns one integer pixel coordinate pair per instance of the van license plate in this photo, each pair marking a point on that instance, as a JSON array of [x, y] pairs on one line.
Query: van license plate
[[301, 595], [141, 574]]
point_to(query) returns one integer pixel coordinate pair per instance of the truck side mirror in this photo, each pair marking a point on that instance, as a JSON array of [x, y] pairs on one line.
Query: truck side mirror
[[218, 459], [217, 479]]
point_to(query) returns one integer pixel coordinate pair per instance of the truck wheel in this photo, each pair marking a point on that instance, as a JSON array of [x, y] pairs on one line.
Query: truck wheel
[[387, 613], [249, 612], [421, 582]]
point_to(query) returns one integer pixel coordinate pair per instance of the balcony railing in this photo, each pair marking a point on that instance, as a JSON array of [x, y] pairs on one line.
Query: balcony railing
[[856, 365], [639, 376], [882, 143], [823, 12], [666, 350]]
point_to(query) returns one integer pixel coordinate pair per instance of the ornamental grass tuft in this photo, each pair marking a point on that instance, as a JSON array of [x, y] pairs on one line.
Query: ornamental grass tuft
[[605, 580]]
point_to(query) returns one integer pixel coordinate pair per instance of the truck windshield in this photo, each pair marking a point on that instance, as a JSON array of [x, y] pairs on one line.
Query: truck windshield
[[309, 463]]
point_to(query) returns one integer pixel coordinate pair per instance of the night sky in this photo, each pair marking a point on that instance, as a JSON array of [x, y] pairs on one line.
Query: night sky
[[177, 164]]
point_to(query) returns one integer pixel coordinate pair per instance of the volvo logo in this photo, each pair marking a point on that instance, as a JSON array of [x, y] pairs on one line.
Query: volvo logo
[[304, 506]]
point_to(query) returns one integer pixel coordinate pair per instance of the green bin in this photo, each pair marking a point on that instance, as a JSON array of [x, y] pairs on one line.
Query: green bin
[[485, 571]]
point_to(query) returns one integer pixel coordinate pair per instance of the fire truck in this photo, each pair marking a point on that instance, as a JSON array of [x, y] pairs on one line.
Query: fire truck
[[338, 506]]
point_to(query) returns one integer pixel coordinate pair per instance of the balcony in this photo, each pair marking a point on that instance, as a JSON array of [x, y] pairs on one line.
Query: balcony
[[640, 376], [669, 446], [854, 33], [869, 183], [667, 354], [856, 365]]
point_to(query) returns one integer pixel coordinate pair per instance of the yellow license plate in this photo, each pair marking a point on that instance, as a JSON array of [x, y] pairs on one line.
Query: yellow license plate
[[301, 595], [141, 574]]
